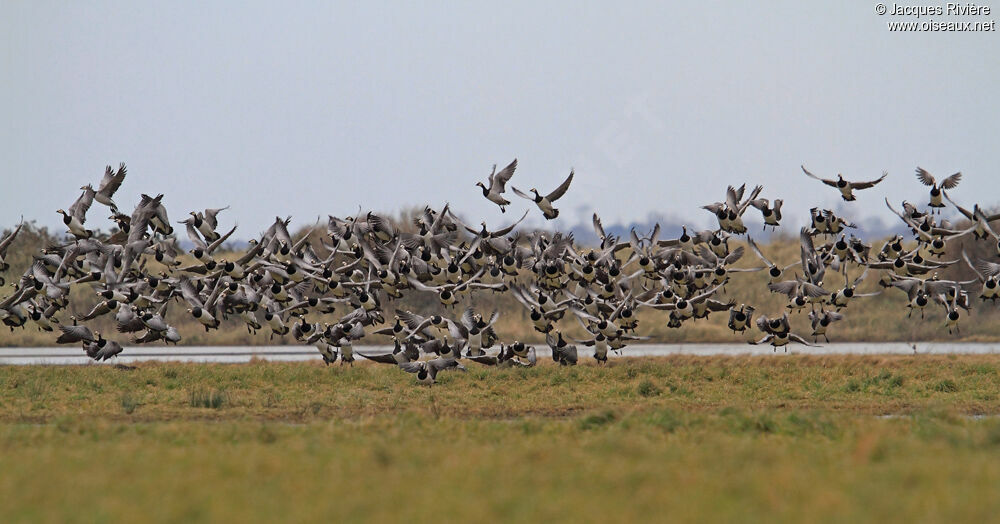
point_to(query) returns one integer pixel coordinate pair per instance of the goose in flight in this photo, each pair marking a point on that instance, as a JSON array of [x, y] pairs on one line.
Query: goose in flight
[[846, 188], [927, 179], [545, 202], [4, 244], [777, 333], [771, 212], [427, 370], [821, 321], [110, 183], [498, 184]]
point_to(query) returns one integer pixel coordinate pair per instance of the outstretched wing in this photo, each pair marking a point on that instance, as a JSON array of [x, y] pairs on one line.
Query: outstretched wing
[[79, 208], [599, 227], [112, 181], [499, 182], [503, 232], [561, 190], [925, 177], [951, 181], [866, 185], [795, 338], [522, 194], [10, 238], [831, 183], [756, 250]]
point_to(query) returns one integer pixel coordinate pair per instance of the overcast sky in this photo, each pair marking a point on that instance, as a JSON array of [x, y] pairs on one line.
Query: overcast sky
[[311, 109]]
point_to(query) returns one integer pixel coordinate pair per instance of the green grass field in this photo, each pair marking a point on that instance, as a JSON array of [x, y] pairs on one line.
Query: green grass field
[[787, 438]]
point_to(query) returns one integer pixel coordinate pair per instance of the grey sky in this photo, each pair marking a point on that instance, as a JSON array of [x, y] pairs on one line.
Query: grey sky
[[315, 108]]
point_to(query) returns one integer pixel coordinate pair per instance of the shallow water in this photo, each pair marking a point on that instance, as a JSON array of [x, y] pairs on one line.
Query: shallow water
[[68, 355]]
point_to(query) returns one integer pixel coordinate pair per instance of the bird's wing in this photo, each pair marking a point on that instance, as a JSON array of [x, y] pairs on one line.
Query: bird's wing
[[561, 190], [79, 208], [972, 267], [411, 367], [111, 182], [902, 217], [756, 250], [189, 293], [925, 177], [866, 185], [951, 181], [732, 198], [384, 358], [439, 364], [968, 214], [468, 318], [499, 182], [210, 216], [795, 338], [599, 227], [75, 334], [486, 360], [813, 291], [859, 280], [989, 268], [221, 240], [10, 238], [194, 235], [832, 183], [522, 194], [787, 287], [508, 229]]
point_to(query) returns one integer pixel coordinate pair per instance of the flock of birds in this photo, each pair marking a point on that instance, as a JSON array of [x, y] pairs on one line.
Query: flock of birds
[[358, 264]]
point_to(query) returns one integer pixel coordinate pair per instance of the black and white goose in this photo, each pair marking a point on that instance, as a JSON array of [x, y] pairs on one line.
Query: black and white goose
[[600, 344], [821, 322], [562, 352], [800, 293], [777, 333], [498, 184], [427, 371], [770, 213], [937, 189], [74, 221], [952, 315], [987, 273], [774, 273], [110, 183], [840, 298], [740, 318], [917, 297], [846, 187], [275, 323], [982, 220], [545, 202]]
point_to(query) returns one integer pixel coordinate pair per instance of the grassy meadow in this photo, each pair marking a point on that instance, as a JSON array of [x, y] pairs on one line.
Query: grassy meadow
[[753, 439]]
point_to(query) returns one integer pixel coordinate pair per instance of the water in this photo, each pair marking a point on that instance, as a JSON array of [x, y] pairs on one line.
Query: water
[[69, 355]]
